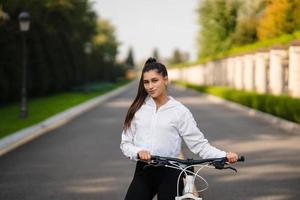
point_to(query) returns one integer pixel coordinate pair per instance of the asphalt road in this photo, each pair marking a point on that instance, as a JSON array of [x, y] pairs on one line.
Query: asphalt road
[[82, 159]]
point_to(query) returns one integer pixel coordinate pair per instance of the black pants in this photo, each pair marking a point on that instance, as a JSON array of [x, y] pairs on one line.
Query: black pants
[[149, 181]]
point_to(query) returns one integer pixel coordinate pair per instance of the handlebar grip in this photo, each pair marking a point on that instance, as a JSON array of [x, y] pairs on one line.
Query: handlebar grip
[[152, 157], [241, 159]]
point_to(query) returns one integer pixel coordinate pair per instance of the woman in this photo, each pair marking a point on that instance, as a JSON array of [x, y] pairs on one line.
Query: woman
[[154, 125]]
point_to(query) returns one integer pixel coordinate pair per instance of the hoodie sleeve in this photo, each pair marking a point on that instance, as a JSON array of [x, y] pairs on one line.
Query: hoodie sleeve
[[127, 143], [195, 139]]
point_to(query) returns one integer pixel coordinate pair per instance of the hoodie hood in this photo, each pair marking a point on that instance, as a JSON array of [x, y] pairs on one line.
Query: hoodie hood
[[149, 101]]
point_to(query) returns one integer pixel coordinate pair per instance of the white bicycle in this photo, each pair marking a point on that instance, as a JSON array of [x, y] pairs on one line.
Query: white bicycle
[[187, 167]]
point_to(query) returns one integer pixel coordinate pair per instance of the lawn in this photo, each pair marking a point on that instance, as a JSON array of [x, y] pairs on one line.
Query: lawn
[[42, 108]]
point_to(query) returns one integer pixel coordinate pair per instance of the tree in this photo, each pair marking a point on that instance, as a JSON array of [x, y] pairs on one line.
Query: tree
[[248, 17], [245, 32], [155, 54], [130, 60], [178, 57], [104, 65], [56, 60], [280, 17], [218, 20]]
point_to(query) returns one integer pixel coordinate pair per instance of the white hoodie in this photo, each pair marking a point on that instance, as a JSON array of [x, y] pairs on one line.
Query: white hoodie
[[160, 132]]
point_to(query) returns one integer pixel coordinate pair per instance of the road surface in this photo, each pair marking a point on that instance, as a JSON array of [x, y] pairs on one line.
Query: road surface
[[82, 160]]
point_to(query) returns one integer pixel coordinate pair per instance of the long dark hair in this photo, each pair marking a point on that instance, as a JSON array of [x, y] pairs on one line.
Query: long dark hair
[[151, 64]]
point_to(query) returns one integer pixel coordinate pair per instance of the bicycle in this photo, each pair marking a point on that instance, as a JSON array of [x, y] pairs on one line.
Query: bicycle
[[187, 167]]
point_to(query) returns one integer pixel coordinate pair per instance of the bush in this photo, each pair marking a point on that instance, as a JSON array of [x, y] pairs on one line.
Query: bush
[[281, 106]]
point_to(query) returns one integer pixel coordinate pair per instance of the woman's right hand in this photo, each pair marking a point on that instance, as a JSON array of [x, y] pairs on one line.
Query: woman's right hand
[[144, 155]]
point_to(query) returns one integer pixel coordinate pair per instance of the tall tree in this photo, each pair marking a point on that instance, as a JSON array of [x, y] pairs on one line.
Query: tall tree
[[218, 20], [105, 51], [280, 17], [56, 60], [156, 54], [130, 60], [178, 57], [248, 17]]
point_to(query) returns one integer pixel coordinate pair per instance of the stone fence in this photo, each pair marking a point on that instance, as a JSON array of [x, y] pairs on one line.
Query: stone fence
[[275, 71]]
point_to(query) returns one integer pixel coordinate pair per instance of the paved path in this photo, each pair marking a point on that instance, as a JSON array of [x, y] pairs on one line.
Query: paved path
[[82, 160]]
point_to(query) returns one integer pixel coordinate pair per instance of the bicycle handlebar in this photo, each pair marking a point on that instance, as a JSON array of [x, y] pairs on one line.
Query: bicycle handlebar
[[192, 161], [218, 163], [188, 170]]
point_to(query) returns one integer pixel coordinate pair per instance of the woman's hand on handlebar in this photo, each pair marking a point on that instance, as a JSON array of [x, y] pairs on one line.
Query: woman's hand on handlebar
[[144, 155], [231, 157]]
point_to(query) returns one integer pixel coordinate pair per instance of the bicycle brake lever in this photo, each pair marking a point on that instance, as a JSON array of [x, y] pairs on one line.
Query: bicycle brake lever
[[154, 164], [150, 165], [232, 168], [218, 164]]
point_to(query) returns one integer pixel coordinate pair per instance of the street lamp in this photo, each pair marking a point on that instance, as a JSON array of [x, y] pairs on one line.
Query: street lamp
[[24, 21], [87, 51], [4, 16], [88, 47]]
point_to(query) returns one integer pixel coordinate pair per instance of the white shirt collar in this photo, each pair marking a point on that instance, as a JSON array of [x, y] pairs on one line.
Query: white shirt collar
[[150, 101]]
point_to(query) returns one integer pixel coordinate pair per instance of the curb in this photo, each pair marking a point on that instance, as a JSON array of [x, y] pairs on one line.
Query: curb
[[277, 122], [25, 135]]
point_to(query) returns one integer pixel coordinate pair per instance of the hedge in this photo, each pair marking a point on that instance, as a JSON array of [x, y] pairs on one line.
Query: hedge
[[281, 106]]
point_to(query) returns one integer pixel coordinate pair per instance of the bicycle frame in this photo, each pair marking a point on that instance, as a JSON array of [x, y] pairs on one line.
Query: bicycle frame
[[189, 185]]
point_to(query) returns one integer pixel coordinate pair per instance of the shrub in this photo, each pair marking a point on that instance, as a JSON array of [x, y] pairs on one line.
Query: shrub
[[281, 106]]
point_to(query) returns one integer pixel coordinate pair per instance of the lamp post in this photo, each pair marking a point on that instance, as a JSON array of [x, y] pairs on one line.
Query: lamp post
[[24, 21], [4, 16], [87, 51]]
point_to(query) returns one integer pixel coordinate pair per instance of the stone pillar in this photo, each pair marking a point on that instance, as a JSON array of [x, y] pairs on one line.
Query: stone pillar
[[249, 67], [214, 73], [230, 70], [225, 75], [217, 72], [181, 74], [220, 72], [294, 69], [174, 74], [278, 55], [194, 74], [202, 75], [261, 71], [184, 74], [238, 73], [191, 77], [209, 73], [223, 72], [204, 71]]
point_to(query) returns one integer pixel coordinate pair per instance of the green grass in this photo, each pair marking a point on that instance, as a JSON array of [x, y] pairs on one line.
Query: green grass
[[282, 106], [42, 108], [283, 40]]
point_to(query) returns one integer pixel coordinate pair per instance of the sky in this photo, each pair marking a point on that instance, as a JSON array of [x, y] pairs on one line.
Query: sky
[[148, 24]]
